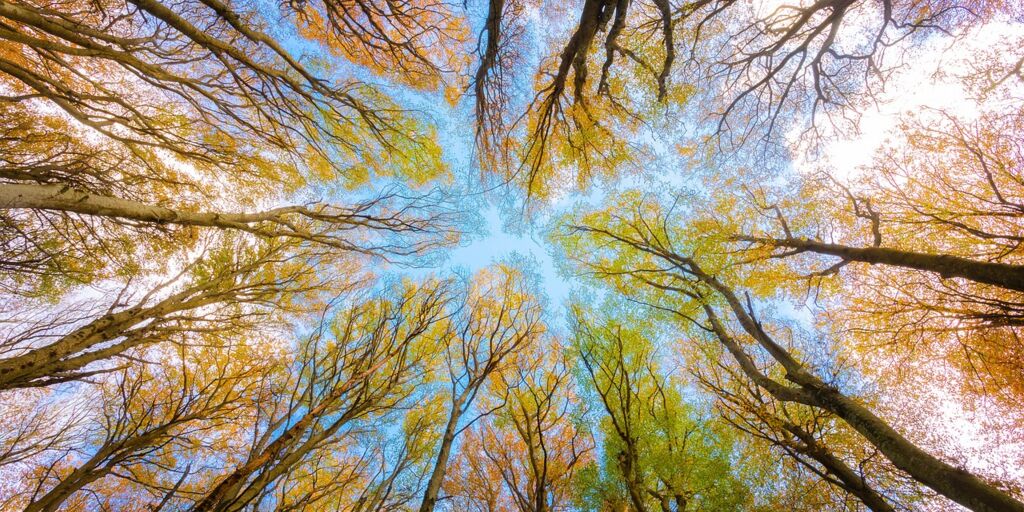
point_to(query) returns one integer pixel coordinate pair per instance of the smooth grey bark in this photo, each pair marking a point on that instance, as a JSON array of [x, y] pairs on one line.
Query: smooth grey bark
[[324, 224], [441, 463], [63, 359], [67, 199], [1003, 275]]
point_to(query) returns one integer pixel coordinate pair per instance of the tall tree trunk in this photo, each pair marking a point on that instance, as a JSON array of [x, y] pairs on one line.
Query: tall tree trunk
[[681, 502], [1002, 275], [852, 482], [952, 482], [627, 463], [224, 492], [101, 464], [66, 199], [441, 464], [61, 359], [79, 478]]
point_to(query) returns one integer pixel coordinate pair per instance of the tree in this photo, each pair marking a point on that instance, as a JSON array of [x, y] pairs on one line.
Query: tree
[[149, 62], [643, 250], [365, 366], [417, 42], [385, 227], [656, 448], [151, 414], [788, 65], [575, 134], [813, 439], [500, 55], [65, 201], [500, 317], [526, 456], [229, 288], [943, 273]]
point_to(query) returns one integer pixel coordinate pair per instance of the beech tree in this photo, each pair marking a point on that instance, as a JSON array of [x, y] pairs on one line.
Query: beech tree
[[806, 60], [245, 81], [248, 255], [818, 449], [941, 248], [150, 414], [500, 317], [361, 365], [758, 73], [67, 202], [641, 250], [655, 448], [527, 456], [230, 287], [417, 42]]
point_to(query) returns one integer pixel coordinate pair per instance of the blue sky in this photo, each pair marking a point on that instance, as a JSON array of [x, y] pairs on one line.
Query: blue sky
[[496, 229], [496, 244]]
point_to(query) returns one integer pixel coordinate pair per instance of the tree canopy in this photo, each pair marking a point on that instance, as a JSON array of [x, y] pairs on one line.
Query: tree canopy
[[511, 256]]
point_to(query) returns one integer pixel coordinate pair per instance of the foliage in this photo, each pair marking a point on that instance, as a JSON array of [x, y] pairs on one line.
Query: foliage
[[227, 279]]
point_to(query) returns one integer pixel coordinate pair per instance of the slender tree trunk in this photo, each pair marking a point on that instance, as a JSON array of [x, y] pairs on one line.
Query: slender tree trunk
[[667, 32], [228, 487], [664, 500], [542, 498], [1002, 275], [68, 354], [490, 56], [852, 482], [22, 370], [954, 483], [441, 464], [66, 199], [101, 464], [681, 503], [80, 477], [633, 487]]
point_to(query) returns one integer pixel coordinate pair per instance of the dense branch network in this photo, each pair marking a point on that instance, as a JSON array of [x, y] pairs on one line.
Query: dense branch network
[[226, 285]]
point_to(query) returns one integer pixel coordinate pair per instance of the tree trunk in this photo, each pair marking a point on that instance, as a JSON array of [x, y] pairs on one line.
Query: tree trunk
[[66, 199], [441, 464], [852, 482], [56, 496], [633, 487], [1002, 275], [67, 355], [228, 487], [101, 464], [954, 483]]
